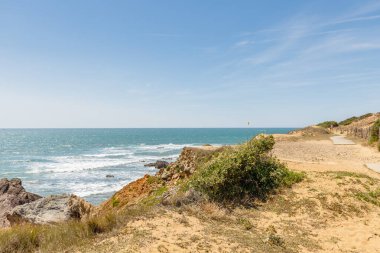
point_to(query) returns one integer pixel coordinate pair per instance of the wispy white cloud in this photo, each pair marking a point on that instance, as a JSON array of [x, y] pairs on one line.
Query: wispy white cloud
[[244, 43], [157, 34], [309, 52], [365, 46], [365, 8], [356, 19]]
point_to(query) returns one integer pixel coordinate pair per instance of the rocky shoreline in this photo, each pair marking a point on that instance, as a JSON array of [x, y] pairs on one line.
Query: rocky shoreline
[[19, 206]]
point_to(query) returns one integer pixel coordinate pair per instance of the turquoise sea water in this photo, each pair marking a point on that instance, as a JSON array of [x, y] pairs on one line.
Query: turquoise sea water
[[52, 161]]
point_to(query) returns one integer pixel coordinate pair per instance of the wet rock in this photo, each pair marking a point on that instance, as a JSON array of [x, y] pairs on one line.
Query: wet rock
[[110, 176], [158, 164], [52, 209], [12, 194]]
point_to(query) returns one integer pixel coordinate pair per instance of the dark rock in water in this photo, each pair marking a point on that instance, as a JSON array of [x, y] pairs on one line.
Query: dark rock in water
[[12, 194], [158, 164], [109, 176], [52, 209]]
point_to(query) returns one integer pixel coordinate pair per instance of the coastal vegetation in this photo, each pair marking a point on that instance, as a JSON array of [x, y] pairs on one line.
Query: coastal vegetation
[[58, 237], [374, 135], [229, 174], [328, 124], [48, 238], [353, 119], [346, 122], [247, 171], [233, 199]]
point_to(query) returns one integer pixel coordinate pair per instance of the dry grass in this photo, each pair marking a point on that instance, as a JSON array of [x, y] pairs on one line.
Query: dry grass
[[58, 237]]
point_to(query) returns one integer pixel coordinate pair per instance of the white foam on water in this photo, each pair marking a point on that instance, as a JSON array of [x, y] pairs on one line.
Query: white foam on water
[[75, 164], [108, 157], [163, 147], [85, 174], [87, 189]]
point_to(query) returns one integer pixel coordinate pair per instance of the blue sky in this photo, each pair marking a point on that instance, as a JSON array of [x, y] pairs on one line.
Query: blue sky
[[191, 63]]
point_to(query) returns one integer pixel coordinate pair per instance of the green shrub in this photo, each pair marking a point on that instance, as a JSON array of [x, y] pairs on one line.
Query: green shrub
[[115, 202], [292, 177], [245, 171], [353, 119], [328, 124], [374, 135], [365, 116], [348, 121]]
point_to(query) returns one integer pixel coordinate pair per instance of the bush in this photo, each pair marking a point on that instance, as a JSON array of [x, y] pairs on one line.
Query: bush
[[246, 171], [348, 121], [365, 116], [328, 124], [353, 119], [374, 135]]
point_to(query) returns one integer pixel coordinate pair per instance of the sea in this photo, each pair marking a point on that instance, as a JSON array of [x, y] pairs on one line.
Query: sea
[[55, 161]]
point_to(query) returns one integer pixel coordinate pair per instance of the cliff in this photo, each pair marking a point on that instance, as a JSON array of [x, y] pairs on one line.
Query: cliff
[[360, 128]]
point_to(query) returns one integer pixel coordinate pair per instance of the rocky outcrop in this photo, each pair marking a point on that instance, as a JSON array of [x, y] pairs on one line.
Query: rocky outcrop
[[158, 164], [52, 209], [12, 194], [187, 162]]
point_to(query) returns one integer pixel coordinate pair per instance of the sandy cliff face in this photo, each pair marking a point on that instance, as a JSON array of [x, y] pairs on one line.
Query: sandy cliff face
[[129, 194], [360, 128]]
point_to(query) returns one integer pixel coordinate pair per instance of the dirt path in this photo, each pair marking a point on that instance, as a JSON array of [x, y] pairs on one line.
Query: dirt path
[[341, 140], [322, 155]]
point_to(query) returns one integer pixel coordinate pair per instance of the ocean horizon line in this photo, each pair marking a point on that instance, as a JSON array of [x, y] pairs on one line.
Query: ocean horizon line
[[60, 128]]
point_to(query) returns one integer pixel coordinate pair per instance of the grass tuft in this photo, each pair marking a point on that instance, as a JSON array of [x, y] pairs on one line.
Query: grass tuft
[[246, 223], [61, 236], [372, 197]]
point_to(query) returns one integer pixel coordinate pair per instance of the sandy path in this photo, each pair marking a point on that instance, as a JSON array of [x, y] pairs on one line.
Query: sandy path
[[322, 155], [341, 140]]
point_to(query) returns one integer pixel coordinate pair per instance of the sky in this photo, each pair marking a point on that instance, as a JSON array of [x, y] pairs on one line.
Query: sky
[[193, 63]]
